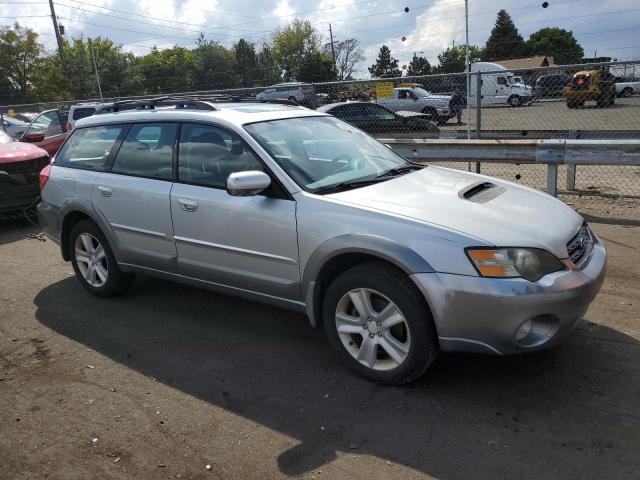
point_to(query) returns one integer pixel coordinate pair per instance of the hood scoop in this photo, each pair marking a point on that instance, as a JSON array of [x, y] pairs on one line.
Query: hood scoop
[[481, 192]]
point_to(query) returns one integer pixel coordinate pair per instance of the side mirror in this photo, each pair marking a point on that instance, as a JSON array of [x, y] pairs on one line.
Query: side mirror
[[33, 137], [247, 184]]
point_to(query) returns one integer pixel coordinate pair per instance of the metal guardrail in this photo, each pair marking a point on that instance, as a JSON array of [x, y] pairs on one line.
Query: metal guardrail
[[551, 153]]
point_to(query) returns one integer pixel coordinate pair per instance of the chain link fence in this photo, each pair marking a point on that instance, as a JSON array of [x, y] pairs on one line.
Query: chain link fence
[[588, 101]]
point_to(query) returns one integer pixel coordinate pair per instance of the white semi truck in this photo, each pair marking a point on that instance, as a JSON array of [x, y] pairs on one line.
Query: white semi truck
[[499, 86]]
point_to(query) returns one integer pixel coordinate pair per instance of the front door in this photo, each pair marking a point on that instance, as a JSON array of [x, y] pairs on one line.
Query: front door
[[134, 196], [247, 243], [49, 124]]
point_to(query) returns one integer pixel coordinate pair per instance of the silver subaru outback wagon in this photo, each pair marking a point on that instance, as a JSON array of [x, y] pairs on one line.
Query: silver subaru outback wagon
[[395, 260]]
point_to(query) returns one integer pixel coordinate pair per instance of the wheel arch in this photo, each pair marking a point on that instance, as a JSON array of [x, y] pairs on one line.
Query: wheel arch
[[339, 254], [73, 213]]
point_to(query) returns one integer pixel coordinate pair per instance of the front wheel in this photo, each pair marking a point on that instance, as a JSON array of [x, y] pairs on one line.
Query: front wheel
[[515, 101], [93, 261], [379, 323]]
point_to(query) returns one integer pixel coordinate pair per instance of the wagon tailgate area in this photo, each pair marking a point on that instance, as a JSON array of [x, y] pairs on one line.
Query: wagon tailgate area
[[169, 379]]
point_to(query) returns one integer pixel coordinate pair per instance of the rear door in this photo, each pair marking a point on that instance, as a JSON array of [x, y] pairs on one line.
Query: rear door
[[133, 197], [248, 243]]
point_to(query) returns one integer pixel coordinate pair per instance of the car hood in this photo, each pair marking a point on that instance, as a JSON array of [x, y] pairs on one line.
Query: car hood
[[20, 152], [516, 217]]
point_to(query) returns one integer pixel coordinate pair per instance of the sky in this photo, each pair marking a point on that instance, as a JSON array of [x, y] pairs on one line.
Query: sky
[[602, 27]]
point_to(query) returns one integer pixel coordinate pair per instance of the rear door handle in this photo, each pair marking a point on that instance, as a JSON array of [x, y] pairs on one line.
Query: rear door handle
[[104, 191], [188, 205]]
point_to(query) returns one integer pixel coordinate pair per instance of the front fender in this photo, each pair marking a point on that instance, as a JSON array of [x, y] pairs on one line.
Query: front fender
[[383, 248]]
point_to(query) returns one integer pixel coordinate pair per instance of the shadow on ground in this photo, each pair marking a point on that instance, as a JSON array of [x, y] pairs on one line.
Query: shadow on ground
[[14, 230], [568, 412]]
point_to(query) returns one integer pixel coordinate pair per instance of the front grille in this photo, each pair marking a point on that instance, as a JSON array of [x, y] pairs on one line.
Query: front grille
[[580, 246], [21, 189]]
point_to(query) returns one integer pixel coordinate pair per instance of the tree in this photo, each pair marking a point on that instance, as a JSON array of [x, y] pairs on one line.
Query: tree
[[556, 42], [452, 59], [172, 69], [504, 41], [316, 67], [348, 55], [291, 44], [268, 70], [214, 65], [19, 53], [419, 66], [386, 65], [246, 66]]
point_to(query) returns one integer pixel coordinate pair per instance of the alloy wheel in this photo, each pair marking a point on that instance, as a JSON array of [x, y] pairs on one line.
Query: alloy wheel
[[91, 260], [372, 329]]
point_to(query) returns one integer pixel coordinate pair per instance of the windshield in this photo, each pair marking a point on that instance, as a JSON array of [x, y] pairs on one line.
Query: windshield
[[4, 138], [421, 92], [322, 152], [513, 80]]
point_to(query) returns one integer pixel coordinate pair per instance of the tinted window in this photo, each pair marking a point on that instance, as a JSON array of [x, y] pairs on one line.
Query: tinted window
[[502, 81], [147, 151], [379, 112], [208, 155], [89, 147], [83, 112], [47, 123]]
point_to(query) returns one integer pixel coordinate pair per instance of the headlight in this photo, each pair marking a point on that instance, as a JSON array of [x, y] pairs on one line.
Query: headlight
[[529, 263]]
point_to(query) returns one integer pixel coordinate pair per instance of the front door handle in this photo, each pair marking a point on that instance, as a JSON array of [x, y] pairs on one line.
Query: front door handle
[[104, 191], [188, 205]]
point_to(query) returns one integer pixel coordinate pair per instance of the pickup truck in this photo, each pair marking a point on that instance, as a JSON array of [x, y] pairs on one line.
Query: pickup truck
[[416, 99], [626, 89]]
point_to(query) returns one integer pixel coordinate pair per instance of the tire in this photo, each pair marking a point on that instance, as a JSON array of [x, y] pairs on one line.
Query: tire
[[515, 101], [412, 339], [433, 113], [626, 92], [292, 99], [107, 278]]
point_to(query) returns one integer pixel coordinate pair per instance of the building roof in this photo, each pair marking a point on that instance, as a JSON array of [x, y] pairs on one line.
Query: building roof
[[529, 62]]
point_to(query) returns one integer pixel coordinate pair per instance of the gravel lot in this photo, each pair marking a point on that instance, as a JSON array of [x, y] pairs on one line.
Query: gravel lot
[[169, 379]]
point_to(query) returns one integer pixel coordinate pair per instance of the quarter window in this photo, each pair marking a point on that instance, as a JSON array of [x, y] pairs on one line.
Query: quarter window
[[89, 148], [147, 151], [208, 155]]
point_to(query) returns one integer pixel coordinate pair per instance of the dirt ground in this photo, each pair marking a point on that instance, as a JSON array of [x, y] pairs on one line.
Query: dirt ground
[[168, 379]]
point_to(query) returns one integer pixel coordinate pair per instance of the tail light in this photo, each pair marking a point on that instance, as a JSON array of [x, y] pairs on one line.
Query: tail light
[[44, 176], [69, 126]]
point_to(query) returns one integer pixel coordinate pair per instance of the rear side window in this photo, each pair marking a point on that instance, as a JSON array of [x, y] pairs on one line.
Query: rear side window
[[208, 155], [89, 148], [147, 151], [83, 112]]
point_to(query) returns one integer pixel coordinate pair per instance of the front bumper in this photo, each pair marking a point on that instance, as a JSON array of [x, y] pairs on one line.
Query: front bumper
[[476, 314]]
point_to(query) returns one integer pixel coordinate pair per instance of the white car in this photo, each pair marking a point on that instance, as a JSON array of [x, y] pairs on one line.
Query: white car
[[626, 89], [12, 126], [286, 205]]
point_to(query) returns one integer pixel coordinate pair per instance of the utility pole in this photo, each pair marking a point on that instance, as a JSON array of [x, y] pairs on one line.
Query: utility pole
[[55, 28], [333, 51], [95, 69], [466, 61]]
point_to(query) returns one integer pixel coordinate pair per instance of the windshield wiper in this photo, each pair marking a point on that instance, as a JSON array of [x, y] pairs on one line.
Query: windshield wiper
[[339, 187], [401, 169]]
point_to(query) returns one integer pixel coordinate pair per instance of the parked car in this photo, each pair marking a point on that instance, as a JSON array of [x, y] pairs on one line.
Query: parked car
[[12, 126], [550, 85], [20, 165], [290, 206], [296, 92], [47, 131], [26, 117], [590, 85], [417, 99], [627, 88], [83, 110], [374, 118]]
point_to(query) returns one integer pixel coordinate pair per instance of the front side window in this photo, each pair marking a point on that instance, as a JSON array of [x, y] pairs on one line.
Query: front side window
[[208, 155], [47, 123], [89, 148], [379, 112], [502, 81], [147, 151], [322, 152]]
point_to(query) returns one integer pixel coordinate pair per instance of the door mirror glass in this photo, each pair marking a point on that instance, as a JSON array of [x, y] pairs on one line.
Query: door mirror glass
[[247, 184], [33, 137]]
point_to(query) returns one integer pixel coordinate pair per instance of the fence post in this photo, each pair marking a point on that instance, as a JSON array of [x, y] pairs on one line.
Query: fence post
[[478, 112], [552, 179], [571, 178]]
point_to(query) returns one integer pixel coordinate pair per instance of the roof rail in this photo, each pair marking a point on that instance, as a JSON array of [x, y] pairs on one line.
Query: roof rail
[[152, 103]]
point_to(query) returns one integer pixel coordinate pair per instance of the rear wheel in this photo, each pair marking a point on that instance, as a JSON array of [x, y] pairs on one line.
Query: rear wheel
[[292, 99], [627, 92], [93, 261], [379, 323], [515, 101]]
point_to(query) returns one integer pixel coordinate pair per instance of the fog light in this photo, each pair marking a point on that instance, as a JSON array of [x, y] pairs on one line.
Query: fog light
[[524, 330]]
